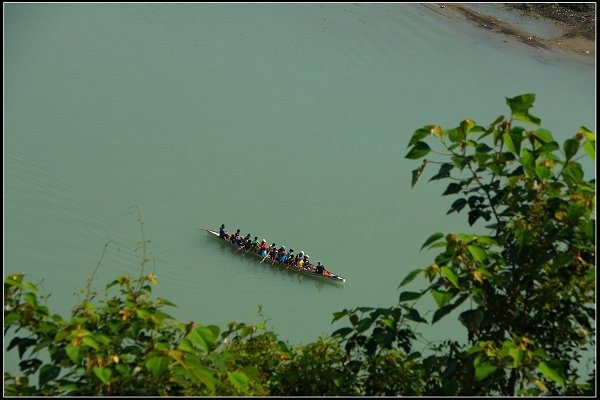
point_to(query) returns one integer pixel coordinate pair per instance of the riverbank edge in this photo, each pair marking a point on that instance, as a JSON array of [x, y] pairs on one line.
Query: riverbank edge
[[569, 43]]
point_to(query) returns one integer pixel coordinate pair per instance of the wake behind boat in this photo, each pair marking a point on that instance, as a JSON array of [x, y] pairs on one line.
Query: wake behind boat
[[306, 269]]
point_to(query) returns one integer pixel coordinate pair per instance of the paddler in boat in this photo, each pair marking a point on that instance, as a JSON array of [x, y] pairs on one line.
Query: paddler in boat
[[281, 255], [239, 241], [299, 261], [273, 252], [235, 237], [223, 232], [263, 248], [306, 263], [246, 242], [319, 269], [289, 257], [255, 244]]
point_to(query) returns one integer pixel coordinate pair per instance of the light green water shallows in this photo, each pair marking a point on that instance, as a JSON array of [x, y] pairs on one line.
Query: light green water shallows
[[287, 121]]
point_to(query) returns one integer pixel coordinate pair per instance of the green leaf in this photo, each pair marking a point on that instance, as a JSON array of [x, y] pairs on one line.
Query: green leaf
[[456, 135], [98, 337], [573, 173], [419, 134], [509, 143], [590, 149], [442, 298], [477, 347], [208, 333], [440, 313], [478, 128], [340, 314], [520, 105], [10, 319], [14, 280], [547, 149], [420, 149], [75, 353], [342, 332], [157, 365], [185, 345], [543, 172], [364, 324], [471, 319], [416, 173], [483, 370], [22, 344], [590, 274], [48, 372], [544, 136], [513, 140], [528, 162], [408, 296], [497, 121], [575, 212], [414, 315], [517, 355], [483, 148], [246, 330], [30, 298], [458, 205], [88, 341], [410, 277], [196, 338], [251, 372], [452, 188], [143, 313], [477, 252], [30, 286], [589, 135], [523, 236], [431, 239], [553, 371], [561, 260], [466, 125], [239, 380], [570, 147], [450, 275], [444, 172], [486, 240], [204, 375], [430, 272], [383, 338], [103, 374], [589, 229]]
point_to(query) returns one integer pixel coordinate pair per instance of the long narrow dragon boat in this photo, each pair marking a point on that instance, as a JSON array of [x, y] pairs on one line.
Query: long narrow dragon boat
[[306, 270]]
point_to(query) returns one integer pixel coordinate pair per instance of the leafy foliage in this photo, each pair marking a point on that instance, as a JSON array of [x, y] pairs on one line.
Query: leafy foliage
[[125, 345], [532, 279]]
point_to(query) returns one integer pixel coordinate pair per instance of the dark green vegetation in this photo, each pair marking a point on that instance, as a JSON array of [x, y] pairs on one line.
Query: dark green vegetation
[[529, 285]]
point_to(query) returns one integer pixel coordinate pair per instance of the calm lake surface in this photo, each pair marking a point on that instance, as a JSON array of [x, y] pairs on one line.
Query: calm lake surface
[[287, 121]]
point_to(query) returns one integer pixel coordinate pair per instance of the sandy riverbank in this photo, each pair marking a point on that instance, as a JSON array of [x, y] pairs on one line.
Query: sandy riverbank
[[578, 37]]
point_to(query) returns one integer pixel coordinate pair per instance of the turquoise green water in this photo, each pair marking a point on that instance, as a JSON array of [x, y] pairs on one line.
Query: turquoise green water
[[288, 121]]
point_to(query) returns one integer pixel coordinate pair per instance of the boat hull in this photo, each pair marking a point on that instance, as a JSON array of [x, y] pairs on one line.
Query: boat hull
[[330, 277]]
